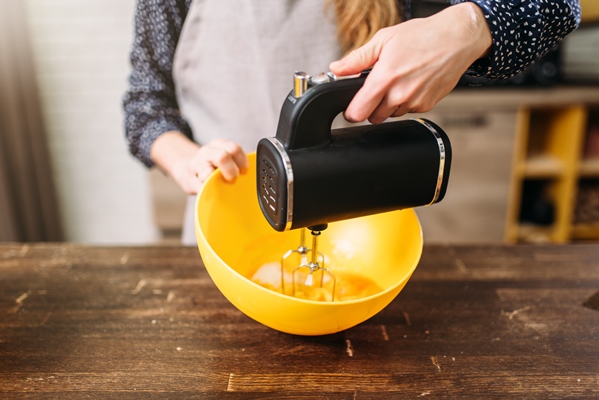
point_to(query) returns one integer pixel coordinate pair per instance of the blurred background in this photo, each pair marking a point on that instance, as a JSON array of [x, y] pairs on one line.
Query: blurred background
[[65, 63], [526, 151]]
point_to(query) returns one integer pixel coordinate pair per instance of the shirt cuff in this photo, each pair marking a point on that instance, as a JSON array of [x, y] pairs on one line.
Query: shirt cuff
[[140, 148], [522, 32]]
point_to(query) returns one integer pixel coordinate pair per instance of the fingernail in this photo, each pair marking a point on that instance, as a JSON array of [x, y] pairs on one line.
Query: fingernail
[[348, 118], [230, 179]]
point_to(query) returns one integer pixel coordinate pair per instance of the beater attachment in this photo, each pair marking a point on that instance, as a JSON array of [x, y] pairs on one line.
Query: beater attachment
[[299, 255], [305, 277]]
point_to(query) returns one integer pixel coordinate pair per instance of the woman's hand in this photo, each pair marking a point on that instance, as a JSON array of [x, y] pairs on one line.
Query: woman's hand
[[190, 164], [416, 63]]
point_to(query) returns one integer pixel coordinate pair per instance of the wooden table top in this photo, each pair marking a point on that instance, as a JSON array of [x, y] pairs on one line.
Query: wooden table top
[[474, 322]]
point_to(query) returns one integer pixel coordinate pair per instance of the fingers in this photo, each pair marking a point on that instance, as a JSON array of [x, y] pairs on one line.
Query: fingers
[[403, 109], [387, 93], [360, 59], [386, 109], [229, 157], [190, 165], [373, 91], [371, 96], [371, 101], [223, 154]]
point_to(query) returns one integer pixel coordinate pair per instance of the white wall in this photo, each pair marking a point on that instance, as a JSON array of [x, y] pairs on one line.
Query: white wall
[[81, 55]]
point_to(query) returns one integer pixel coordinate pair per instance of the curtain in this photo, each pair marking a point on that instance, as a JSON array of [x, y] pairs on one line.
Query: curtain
[[28, 202]]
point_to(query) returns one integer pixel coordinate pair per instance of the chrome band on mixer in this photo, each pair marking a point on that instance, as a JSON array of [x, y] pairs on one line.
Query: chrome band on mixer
[[441, 158], [289, 172]]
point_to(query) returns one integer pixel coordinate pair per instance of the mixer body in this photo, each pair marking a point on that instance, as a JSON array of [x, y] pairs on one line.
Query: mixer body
[[309, 174]]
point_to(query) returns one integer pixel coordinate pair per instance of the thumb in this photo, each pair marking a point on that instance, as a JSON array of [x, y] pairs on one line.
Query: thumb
[[358, 60]]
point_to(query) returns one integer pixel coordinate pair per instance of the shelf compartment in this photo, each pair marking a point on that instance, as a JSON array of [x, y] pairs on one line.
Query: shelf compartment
[[590, 152], [586, 210], [537, 219], [531, 233], [542, 166], [557, 146], [589, 168], [585, 232], [550, 134]]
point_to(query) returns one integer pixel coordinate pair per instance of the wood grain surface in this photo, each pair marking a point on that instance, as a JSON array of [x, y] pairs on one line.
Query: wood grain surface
[[147, 322]]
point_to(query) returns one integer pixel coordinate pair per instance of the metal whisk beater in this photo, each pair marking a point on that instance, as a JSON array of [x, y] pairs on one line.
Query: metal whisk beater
[[302, 276]]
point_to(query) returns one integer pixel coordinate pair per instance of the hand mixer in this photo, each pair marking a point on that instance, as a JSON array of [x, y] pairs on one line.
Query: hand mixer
[[309, 175]]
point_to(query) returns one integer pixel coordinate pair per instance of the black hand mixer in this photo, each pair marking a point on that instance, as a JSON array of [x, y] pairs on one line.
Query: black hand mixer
[[309, 175]]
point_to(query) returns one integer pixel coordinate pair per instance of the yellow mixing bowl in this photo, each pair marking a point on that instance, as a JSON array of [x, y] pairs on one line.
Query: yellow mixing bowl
[[235, 239]]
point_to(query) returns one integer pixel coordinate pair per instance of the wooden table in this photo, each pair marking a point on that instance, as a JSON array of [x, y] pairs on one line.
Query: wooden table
[[474, 322]]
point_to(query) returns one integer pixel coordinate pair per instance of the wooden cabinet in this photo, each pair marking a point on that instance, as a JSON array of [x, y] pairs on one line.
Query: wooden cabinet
[[553, 167], [590, 11]]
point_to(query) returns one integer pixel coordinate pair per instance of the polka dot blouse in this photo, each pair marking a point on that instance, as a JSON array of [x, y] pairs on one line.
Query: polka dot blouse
[[522, 31]]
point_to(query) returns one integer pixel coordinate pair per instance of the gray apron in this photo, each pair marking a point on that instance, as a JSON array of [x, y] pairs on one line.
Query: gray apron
[[234, 65]]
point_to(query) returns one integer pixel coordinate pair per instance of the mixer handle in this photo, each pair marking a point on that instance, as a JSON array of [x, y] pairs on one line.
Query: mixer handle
[[306, 121]]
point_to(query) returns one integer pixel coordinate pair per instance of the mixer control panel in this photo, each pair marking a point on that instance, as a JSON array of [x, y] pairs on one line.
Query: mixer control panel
[[274, 183], [268, 192]]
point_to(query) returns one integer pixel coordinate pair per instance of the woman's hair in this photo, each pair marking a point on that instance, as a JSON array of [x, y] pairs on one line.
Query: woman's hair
[[359, 20]]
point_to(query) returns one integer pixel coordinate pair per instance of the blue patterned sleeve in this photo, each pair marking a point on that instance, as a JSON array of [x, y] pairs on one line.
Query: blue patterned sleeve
[[150, 104], [522, 31]]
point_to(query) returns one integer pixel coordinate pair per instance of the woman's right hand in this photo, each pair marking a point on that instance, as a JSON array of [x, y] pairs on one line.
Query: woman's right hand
[[190, 164], [415, 64]]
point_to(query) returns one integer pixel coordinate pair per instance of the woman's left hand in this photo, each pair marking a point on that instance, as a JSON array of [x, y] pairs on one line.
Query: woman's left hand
[[416, 63]]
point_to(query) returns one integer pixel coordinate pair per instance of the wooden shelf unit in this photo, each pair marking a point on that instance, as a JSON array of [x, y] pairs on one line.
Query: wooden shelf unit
[[549, 156], [589, 168]]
